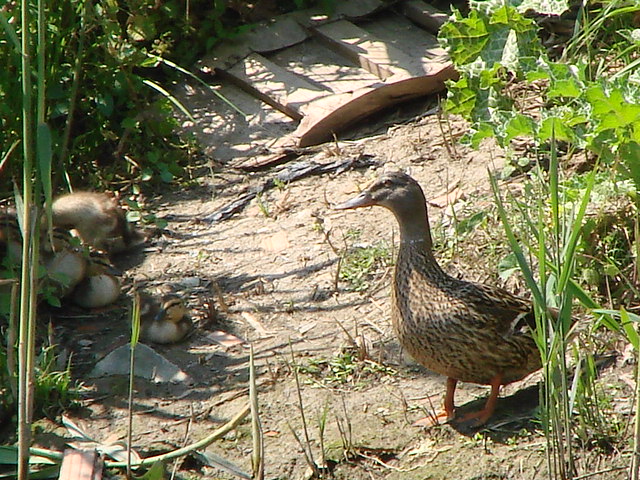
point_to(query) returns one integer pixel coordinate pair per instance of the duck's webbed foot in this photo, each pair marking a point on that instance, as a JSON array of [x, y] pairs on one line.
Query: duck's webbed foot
[[447, 414], [476, 419]]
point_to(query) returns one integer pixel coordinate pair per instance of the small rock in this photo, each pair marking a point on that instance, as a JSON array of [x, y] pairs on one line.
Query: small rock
[[149, 364], [189, 282]]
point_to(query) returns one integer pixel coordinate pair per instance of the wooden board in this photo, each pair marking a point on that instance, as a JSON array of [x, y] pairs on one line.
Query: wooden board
[[374, 55], [274, 85], [320, 65], [331, 115], [328, 73], [81, 465], [423, 14]]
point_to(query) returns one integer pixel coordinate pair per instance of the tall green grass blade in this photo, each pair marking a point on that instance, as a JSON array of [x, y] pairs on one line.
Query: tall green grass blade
[[135, 335], [11, 33], [199, 80], [135, 320], [169, 97], [44, 153], [41, 76], [630, 328], [515, 246], [628, 322], [26, 346], [575, 229]]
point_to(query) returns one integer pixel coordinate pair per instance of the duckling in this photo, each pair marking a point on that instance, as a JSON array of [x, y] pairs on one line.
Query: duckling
[[98, 219], [65, 262], [165, 320], [466, 331], [100, 286]]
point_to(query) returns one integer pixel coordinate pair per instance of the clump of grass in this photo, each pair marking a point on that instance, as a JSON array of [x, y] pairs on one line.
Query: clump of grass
[[55, 390], [363, 264], [598, 426], [345, 368], [552, 239]]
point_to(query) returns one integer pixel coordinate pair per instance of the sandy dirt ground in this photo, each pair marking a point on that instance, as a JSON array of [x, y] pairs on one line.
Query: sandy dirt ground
[[268, 276]]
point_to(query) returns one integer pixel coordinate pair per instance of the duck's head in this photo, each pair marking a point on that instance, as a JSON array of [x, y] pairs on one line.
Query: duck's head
[[172, 309], [393, 190], [99, 264], [61, 240], [401, 194]]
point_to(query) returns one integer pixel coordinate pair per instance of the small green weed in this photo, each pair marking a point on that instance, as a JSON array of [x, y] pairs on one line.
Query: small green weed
[[344, 368], [55, 391], [279, 184], [263, 206], [360, 265]]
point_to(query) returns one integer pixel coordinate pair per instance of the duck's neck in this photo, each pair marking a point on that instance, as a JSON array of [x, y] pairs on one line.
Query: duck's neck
[[415, 239], [414, 226]]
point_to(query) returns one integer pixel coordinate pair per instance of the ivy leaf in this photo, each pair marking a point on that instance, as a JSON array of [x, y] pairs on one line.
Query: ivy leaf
[[464, 38], [554, 127], [630, 157], [461, 98], [519, 126], [565, 88], [481, 131], [547, 7], [614, 113]]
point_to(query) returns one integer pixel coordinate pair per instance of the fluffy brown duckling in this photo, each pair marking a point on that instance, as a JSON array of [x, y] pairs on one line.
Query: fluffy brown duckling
[[65, 261], [466, 331], [98, 219], [163, 320], [100, 286]]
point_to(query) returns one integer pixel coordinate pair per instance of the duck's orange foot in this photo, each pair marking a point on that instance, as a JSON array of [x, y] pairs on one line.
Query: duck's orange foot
[[447, 414], [434, 419], [475, 419]]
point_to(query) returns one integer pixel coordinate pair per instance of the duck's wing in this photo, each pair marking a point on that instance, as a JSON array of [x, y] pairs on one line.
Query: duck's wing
[[500, 310]]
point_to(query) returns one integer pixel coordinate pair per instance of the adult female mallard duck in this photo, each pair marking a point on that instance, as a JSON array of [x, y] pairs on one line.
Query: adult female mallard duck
[[466, 331]]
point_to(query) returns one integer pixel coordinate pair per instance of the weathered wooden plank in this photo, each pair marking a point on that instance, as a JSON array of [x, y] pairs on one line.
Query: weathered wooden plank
[[423, 14], [331, 115], [322, 66], [274, 85], [81, 465], [279, 33], [376, 56], [351, 10], [224, 132], [402, 33]]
